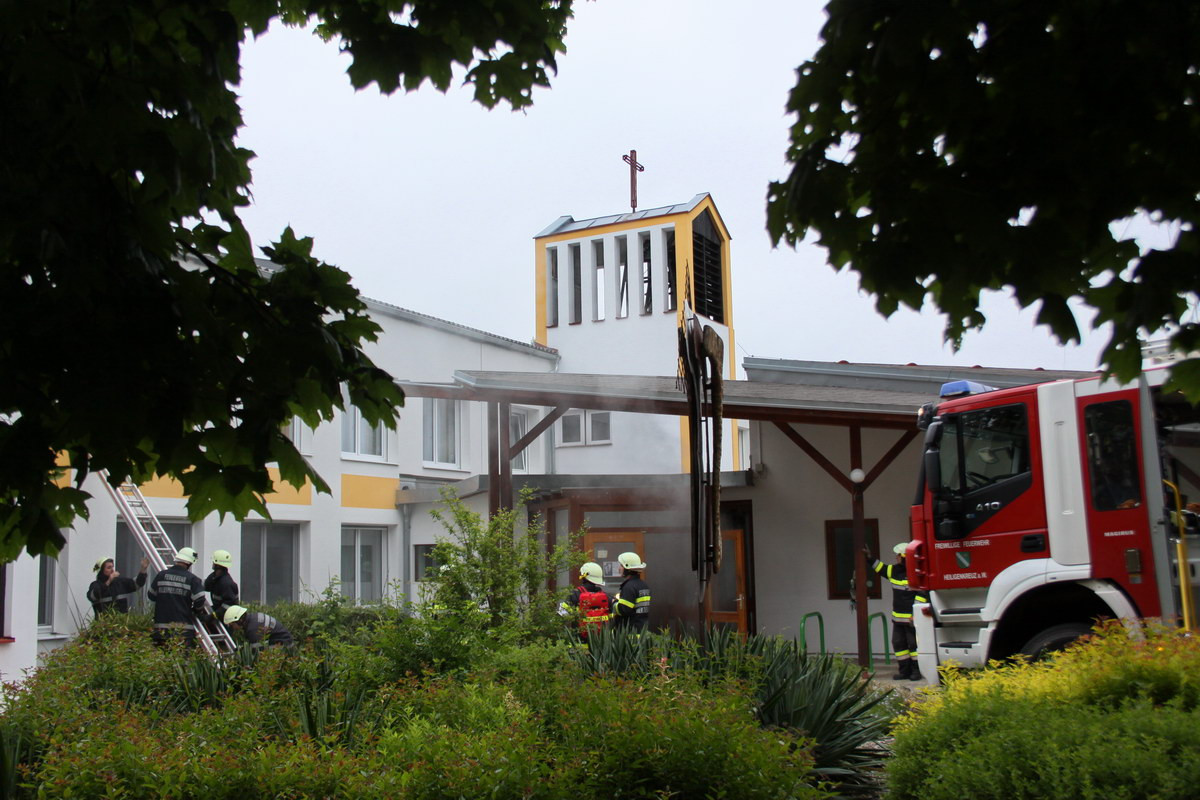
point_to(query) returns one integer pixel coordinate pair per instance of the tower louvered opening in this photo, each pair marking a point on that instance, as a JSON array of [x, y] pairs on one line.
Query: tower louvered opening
[[706, 258]]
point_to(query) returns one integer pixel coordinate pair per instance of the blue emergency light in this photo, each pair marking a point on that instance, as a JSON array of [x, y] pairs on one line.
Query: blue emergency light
[[962, 388]]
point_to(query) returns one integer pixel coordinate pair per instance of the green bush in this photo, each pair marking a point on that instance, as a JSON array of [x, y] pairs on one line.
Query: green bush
[[1113, 716]]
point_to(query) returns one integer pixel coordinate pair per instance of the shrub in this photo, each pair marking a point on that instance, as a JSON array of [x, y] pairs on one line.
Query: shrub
[[1112, 716]]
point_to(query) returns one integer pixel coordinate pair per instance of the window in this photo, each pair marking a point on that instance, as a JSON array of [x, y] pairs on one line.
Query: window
[[585, 427], [441, 440], [708, 278], [299, 434], [622, 277], [647, 274], [518, 421], [362, 564], [839, 557], [1112, 456], [360, 438], [551, 287], [743, 448], [669, 271], [425, 566], [981, 448], [47, 567], [270, 562], [573, 256], [5, 618], [128, 553], [598, 287]]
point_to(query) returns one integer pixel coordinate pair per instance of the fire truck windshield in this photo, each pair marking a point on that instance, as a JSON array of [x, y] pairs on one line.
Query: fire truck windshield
[[983, 447]]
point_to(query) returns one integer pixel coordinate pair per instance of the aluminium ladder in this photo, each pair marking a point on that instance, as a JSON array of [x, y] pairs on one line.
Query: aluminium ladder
[[150, 534]]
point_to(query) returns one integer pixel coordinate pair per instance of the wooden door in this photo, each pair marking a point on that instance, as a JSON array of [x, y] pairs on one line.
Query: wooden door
[[727, 602]]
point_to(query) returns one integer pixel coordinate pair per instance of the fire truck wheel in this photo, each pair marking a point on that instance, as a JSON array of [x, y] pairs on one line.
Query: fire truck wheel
[[1055, 638]]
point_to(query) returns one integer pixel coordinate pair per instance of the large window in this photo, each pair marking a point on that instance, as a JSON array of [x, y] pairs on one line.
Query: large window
[[1112, 456], [839, 557], [441, 438], [270, 562], [47, 583], [362, 564], [129, 553], [985, 447], [708, 276], [360, 438], [551, 287]]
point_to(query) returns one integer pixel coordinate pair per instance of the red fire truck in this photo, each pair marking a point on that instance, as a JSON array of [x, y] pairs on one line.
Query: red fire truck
[[1044, 508]]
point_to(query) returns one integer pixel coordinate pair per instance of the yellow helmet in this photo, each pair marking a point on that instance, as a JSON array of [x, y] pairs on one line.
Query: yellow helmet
[[591, 571], [234, 613], [900, 548], [186, 555], [223, 558], [631, 561]]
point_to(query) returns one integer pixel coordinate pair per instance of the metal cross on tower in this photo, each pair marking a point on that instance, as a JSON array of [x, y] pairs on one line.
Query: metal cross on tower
[[634, 169]]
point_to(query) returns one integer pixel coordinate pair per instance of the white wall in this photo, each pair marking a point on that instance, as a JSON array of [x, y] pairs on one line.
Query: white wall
[[792, 499]]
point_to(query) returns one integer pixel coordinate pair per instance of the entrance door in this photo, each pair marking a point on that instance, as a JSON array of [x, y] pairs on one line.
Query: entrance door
[[604, 547], [727, 590]]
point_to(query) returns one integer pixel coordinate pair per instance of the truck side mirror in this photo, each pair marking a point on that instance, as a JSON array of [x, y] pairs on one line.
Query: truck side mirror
[[933, 457]]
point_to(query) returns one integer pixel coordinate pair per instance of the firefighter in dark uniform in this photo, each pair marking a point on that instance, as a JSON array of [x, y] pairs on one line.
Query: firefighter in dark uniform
[[178, 596], [258, 626], [220, 585], [111, 591], [588, 603], [904, 633], [631, 606]]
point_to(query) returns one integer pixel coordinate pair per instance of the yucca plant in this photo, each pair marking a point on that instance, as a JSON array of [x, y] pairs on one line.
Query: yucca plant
[[618, 651], [12, 752]]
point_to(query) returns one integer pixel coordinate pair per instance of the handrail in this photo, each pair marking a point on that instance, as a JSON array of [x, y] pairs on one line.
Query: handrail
[[883, 625], [1186, 600], [820, 630]]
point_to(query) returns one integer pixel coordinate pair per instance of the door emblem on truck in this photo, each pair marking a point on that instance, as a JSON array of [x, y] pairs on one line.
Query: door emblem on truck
[[963, 557], [992, 506]]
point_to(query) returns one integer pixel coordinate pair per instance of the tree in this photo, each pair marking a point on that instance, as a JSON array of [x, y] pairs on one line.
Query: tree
[[950, 146], [139, 334]]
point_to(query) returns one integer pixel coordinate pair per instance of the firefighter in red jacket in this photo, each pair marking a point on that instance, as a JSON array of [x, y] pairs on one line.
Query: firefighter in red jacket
[[588, 600], [904, 634]]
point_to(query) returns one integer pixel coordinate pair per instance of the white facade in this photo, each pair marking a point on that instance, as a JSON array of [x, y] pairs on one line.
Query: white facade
[[312, 538]]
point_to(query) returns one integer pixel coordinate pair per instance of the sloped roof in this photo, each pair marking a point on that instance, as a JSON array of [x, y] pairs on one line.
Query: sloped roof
[[568, 224]]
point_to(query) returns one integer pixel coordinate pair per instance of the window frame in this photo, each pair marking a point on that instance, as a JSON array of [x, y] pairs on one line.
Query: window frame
[[430, 433], [424, 564], [834, 565], [353, 422], [248, 582], [379, 572], [587, 435]]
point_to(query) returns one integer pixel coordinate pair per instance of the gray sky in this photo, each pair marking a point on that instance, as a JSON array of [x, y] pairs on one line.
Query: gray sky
[[430, 202]]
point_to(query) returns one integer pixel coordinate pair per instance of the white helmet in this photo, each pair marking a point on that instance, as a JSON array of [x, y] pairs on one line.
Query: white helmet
[[100, 563], [233, 614], [631, 561], [223, 558], [186, 555], [591, 571], [900, 548]]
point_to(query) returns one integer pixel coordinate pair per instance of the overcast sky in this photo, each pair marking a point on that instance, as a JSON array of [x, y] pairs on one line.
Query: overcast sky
[[431, 202]]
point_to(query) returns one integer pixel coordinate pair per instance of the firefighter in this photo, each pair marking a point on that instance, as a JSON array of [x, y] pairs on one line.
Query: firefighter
[[220, 585], [178, 596], [904, 634], [111, 591], [257, 625], [631, 606], [587, 601]]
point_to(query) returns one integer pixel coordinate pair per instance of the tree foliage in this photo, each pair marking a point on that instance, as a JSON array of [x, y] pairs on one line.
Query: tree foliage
[[139, 335], [949, 146]]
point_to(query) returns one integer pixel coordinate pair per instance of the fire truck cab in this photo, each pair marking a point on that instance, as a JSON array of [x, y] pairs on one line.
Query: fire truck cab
[[1044, 508]]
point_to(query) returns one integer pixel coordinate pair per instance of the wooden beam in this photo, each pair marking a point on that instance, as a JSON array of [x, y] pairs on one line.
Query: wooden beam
[[493, 460], [889, 457], [815, 454], [545, 422]]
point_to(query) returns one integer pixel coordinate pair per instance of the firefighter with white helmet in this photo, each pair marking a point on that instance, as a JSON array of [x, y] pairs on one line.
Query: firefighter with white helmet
[[258, 626], [631, 606], [904, 634], [220, 585], [178, 596], [588, 601]]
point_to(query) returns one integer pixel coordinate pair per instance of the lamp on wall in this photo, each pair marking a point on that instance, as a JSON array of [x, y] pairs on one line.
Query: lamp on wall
[[857, 475]]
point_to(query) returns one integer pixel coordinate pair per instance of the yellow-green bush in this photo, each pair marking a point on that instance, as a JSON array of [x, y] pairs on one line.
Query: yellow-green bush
[[1114, 716]]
